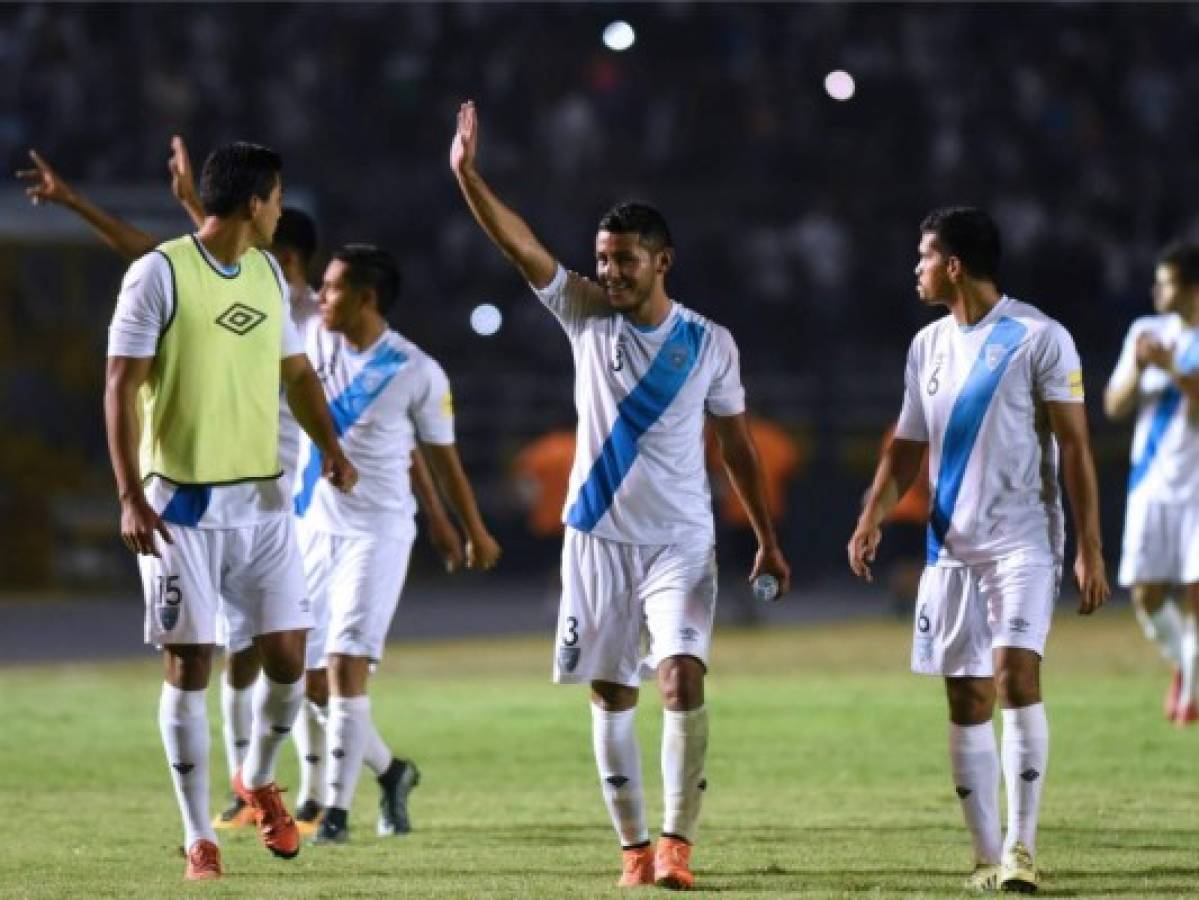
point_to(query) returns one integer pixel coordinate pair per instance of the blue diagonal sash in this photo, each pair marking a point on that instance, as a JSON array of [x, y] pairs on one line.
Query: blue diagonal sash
[[965, 421], [1167, 406], [346, 409], [637, 412]]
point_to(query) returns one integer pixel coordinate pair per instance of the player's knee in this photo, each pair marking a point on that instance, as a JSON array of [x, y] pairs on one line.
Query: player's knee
[[189, 666], [1149, 597], [243, 668], [611, 697], [1017, 685], [681, 682], [316, 686]]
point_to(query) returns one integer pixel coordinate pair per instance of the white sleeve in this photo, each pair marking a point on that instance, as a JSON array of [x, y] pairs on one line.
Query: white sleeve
[[912, 425], [1126, 365], [433, 408], [291, 337], [1057, 370], [572, 299], [726, 395], [144, 308]]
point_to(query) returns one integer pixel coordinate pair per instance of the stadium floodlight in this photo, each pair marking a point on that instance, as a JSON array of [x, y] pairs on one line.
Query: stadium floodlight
[[486, 319], [619, 36], [839, 84]]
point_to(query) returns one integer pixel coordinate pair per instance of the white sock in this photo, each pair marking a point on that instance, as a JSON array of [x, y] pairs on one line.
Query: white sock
[[1025, 758], [375, 753], [349, 721], [183, 722], [237, 719], [974, 759], [618, 759], [684, 746], [310, 748], [275, 708], [1163, 627], [1188, 659]]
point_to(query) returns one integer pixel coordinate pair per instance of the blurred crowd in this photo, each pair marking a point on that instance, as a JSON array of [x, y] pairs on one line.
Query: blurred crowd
[[795, 215]]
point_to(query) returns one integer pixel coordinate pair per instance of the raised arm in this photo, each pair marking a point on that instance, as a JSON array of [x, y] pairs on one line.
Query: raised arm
[[442, 534], [507, 230], [482, 550], [44, 185], [307, 402], [897, 469], [740, 459], [139, 521], [1069, 424], [183, 181]]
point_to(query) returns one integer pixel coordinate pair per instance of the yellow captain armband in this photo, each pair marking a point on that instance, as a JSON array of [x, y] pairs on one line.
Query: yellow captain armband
[[447, 405], [1074, 380]]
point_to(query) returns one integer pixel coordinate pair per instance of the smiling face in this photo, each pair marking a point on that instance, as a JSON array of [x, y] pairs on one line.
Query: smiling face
[[627, 270]]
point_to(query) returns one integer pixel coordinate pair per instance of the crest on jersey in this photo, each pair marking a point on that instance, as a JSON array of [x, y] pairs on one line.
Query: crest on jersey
[[677, 355], [568, 658], [993, 355], [168, 615]]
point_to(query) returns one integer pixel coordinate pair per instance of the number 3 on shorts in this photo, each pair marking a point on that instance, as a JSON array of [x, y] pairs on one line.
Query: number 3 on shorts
[[572, 632]]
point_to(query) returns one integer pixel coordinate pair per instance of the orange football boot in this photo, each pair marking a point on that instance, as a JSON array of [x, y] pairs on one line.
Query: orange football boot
[[672, 864], [276, 828]]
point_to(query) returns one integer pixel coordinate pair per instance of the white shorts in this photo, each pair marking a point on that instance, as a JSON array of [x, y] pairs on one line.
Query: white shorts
[[629, 606], [355, 585], [963, 613], [252, 574], [1161, 543]]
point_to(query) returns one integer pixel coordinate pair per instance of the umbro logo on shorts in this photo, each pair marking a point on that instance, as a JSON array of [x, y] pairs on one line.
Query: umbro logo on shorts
[[240, 319]]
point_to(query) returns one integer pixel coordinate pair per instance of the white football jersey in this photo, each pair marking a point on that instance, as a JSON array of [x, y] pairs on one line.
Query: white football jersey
[[382, 400], [1165, 442], [977, 395], [641, 395], [304, 314]]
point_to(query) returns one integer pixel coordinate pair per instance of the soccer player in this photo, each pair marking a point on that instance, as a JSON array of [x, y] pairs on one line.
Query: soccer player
[[294, 246], [994, 392], [198, 345], [638, 556], [385, 394], [1157, 377]]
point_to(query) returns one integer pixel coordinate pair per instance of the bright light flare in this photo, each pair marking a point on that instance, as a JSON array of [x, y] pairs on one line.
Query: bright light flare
[[839, 85], [619, 36], [486, 319]]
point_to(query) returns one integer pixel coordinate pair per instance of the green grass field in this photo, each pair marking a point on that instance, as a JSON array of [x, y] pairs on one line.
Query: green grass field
[[827, 770]]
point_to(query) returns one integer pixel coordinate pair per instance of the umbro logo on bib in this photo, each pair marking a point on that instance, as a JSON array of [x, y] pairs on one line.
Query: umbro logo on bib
[[240, 319]]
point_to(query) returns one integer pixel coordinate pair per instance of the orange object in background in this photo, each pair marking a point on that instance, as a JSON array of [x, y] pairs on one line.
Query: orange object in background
[[542, 470], [912, 506], [779, 457]]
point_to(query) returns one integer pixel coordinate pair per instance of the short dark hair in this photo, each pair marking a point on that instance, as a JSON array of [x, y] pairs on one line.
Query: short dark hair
[[1183, 258], [970, 234], [235, 173], [637, 218], [296, 231], [369, 267]]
